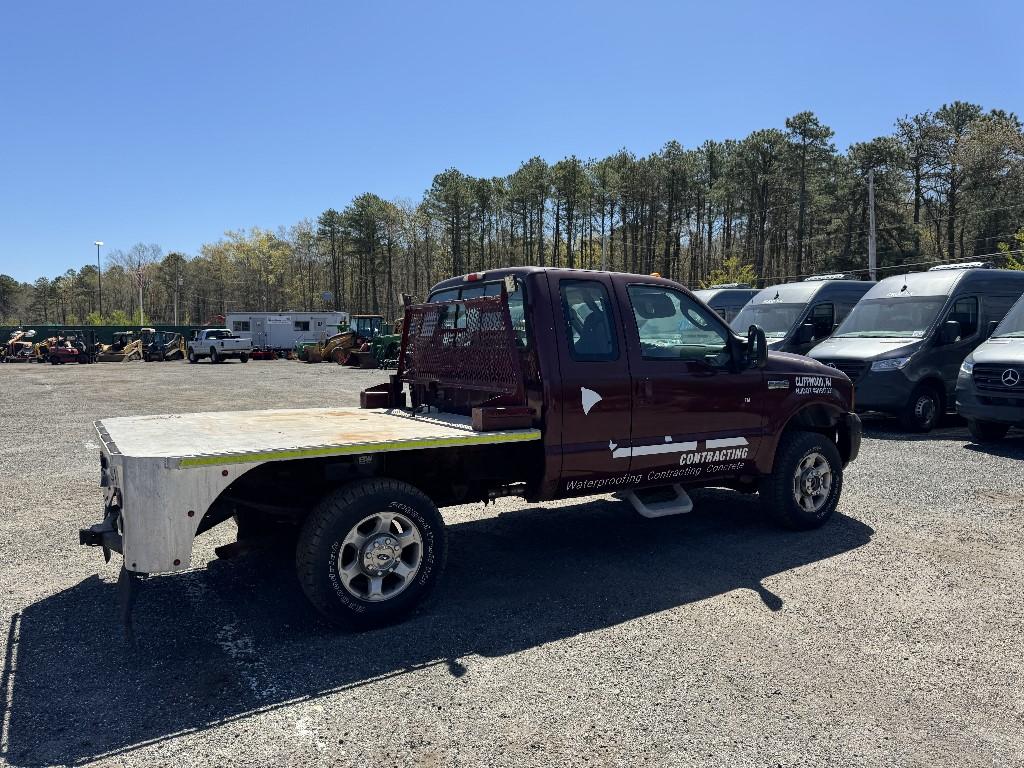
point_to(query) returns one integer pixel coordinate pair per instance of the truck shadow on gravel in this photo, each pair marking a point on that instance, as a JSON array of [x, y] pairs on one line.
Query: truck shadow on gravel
[[220, 644]]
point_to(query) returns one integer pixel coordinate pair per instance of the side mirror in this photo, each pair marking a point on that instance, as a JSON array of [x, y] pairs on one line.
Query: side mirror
[[949, 332], [992, 325], [757, 347], [805, 333]]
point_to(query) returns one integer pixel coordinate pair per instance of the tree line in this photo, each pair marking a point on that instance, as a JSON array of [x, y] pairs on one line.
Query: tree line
[[777, 205]]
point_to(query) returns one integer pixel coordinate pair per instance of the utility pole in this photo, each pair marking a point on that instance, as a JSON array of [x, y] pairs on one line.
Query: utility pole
[[872, 254], [142, 315], [99, 275], [177, 287]]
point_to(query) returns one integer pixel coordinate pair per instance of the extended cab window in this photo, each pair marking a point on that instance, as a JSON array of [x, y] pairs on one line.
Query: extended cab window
[[516, 305], [674, 327], [588, 320], [965, 312]]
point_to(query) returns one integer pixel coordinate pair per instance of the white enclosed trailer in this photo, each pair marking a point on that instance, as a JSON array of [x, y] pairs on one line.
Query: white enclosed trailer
[[283, 330]]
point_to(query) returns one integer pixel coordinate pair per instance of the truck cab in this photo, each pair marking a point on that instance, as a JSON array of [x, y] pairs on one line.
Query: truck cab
[[530, 382], [218, 344], [797, 316], [904, 343]]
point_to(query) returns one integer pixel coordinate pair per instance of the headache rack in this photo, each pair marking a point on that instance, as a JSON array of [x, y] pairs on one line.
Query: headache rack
[[459, 356]]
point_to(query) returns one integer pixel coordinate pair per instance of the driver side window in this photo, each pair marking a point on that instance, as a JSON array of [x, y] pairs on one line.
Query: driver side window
[[674, 327], [965, 312]]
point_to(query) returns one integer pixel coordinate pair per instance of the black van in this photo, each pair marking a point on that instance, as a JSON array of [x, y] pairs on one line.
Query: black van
[[990, 389], [796, 316], [903, 344], [727, 299]]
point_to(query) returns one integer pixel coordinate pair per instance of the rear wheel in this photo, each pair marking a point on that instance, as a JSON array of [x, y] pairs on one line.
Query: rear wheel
[[243, 357], [987, 431], [802, 491], [370, 552], [923, 410]]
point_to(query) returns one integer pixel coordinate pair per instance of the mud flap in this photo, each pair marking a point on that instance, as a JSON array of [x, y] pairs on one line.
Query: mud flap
[[127, 592]]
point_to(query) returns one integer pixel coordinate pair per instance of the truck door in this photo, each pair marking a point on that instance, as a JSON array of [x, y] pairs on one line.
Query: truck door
[[594, 395], [694, 415]]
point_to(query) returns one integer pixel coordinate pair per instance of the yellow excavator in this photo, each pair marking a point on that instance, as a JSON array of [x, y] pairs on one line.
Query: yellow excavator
[[19, 348], [127, 346], [338, 348]]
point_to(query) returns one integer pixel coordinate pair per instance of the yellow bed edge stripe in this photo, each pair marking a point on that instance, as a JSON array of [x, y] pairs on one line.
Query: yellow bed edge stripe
[[342, 450]]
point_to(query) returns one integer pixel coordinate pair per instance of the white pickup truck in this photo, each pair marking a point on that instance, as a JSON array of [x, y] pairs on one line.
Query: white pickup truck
[[218, 344]]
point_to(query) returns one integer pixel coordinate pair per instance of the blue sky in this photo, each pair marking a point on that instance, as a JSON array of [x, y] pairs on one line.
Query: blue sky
[[169, 123]]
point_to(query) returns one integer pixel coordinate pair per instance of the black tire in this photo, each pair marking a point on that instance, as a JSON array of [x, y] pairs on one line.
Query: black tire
[[923, 410], [243, 357], [778, 490], [321, 549], [987, 431], [192, 356], [214, 357], [54, 361]]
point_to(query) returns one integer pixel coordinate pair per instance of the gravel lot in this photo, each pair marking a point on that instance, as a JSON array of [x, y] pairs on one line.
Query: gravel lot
[[576, 633]]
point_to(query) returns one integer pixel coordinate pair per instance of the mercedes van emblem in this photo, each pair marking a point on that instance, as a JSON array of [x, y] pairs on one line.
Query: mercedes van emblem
[[1011, 377]]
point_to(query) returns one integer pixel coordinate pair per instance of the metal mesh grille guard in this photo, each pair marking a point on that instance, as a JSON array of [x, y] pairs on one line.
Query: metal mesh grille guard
[[465, 344]]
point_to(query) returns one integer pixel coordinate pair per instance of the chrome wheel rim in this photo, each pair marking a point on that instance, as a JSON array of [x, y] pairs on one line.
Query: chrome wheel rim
[[380, 556], [812, 482]]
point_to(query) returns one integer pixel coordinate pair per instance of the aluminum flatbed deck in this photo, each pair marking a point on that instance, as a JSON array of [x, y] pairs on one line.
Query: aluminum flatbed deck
[[241, 437]]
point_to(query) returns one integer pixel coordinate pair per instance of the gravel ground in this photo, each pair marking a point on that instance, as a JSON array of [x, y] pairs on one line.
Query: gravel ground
[[574, 633]]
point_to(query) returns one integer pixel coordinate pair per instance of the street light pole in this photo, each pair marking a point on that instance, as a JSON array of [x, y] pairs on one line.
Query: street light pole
[[99, 275]]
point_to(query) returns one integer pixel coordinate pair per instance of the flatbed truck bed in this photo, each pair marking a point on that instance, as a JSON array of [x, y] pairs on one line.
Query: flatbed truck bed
[[240, 437]]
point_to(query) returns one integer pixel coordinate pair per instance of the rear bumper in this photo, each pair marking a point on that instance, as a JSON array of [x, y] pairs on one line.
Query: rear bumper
[[850, 433]]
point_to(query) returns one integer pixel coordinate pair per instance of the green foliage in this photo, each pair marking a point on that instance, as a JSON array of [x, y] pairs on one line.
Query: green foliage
[[732, 270], [119, 317], [1013, 255], [779, 203], [94, 318]]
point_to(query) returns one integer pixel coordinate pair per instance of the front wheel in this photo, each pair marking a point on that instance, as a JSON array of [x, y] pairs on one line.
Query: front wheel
[[370, 552], [922, 411], [214, 357], [802, 491], [192, 356], [987, 431]]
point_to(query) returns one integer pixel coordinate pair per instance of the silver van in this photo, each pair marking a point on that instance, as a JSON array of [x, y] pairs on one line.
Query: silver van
[[990, 388], [903, 344], [727, 299], [796, 316]]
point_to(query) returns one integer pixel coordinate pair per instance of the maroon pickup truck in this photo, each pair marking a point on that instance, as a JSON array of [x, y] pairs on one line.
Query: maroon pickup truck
[[531, 382]]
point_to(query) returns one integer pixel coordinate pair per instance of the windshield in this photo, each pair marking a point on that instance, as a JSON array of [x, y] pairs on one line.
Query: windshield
[[367, 326], [891, 317], [775, 320], [1012, 325]]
